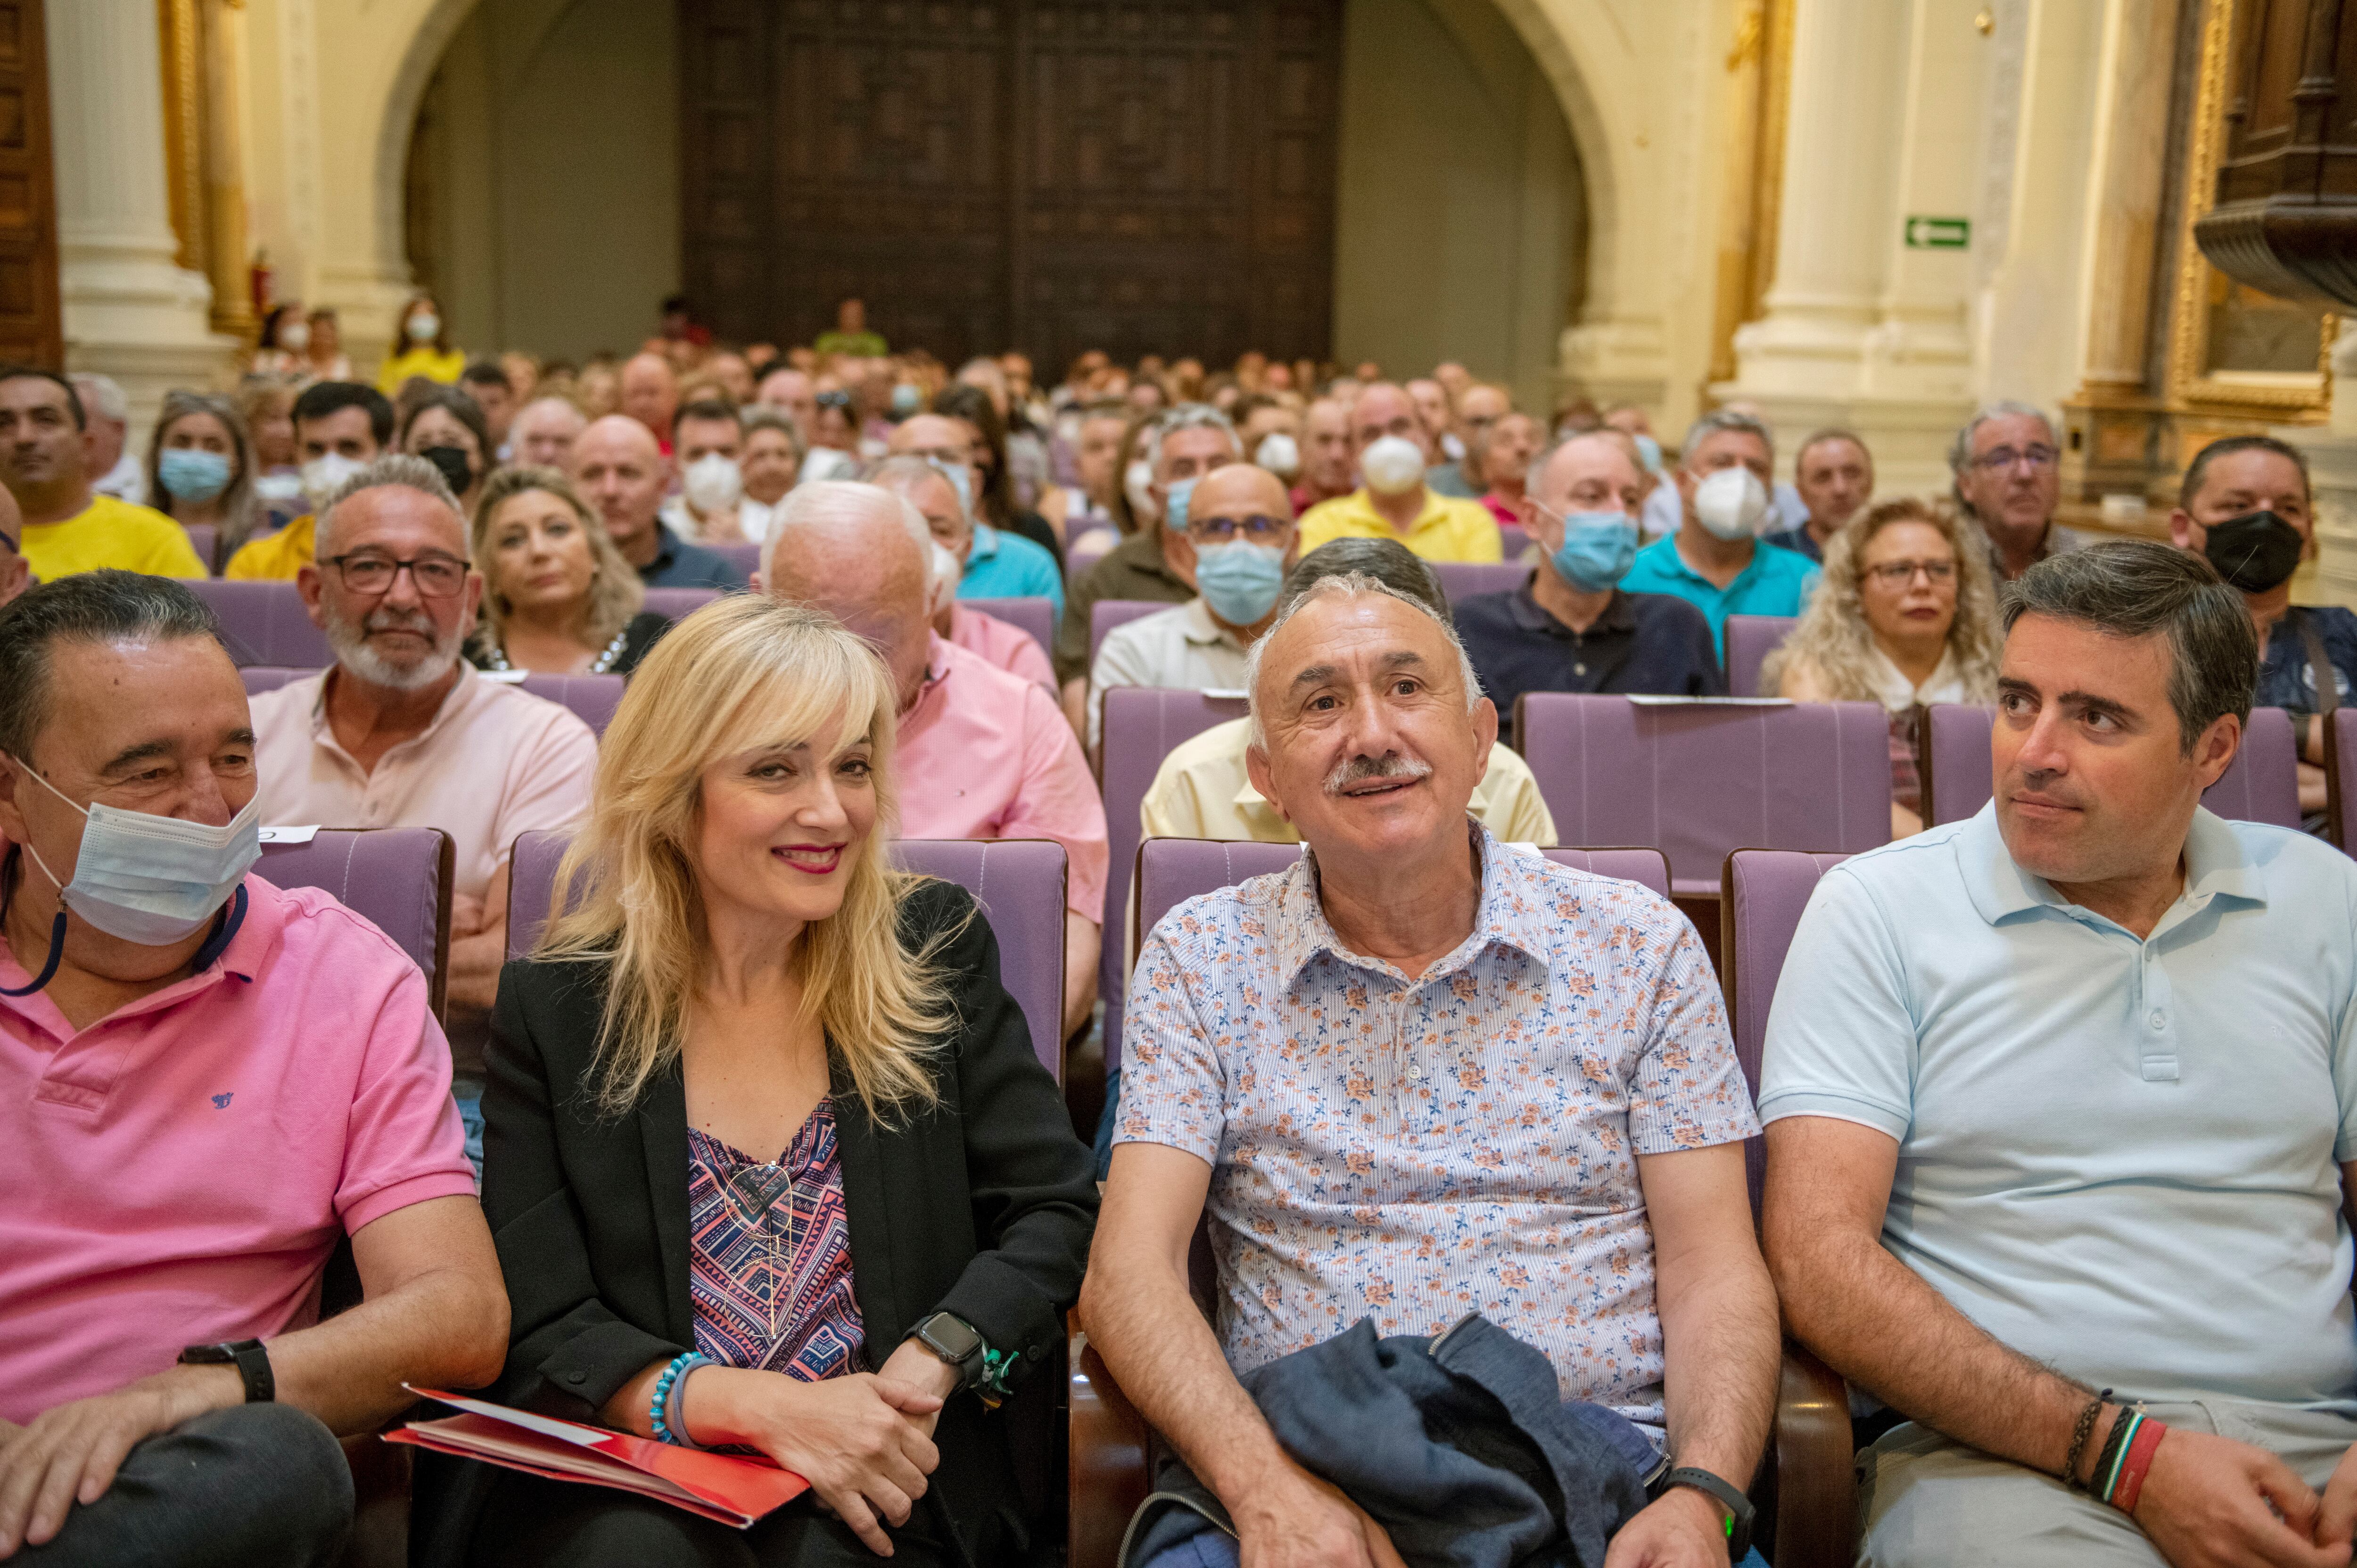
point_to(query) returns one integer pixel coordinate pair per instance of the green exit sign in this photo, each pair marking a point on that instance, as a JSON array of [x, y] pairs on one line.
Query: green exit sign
[[1939, 233]]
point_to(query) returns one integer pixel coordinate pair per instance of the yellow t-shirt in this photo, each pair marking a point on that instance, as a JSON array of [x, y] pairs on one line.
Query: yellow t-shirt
[[1202, 792], [274, 555], [110, 533], [1447, 529], [434, 367]]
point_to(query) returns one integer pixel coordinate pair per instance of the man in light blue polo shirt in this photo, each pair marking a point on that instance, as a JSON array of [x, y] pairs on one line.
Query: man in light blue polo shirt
[[2064, 1118], [1721, 566]]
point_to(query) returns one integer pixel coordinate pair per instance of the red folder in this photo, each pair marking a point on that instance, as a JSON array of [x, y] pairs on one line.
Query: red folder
[[731, 1488]]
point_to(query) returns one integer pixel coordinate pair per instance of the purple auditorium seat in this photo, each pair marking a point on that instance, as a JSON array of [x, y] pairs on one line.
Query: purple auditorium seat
[[260, 677], [1699, 779], [397, 879], [745, 558], [1019, 882], [1087, 551], [1034, 613], [1512, 540], [1171, 871], [2340, 776], [1462, 579], [2261, 785], [266, 623], [591, 698], [1760, 900], [205, 540], [678, 603], [1142, 726], [1107, 614], [1750, 640]]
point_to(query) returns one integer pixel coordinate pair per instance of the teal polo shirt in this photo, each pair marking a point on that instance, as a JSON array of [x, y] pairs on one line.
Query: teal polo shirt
[[2120, 1158], [1010, 567], [1777, 583]]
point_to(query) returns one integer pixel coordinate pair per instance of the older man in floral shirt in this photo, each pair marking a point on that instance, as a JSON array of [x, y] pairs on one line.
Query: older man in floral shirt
[[1420, 1075]]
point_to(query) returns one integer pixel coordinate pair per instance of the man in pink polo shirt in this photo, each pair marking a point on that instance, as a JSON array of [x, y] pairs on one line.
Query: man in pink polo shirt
[[926, 484], [205, 1083], [983, 753]]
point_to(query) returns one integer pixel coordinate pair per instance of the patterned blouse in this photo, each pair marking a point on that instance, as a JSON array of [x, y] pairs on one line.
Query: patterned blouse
[[770, 1255], [1413, 1150]]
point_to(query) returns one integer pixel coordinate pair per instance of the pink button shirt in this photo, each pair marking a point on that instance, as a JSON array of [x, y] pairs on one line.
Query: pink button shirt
[[986, 755], [178, 1171], [1010, 648]]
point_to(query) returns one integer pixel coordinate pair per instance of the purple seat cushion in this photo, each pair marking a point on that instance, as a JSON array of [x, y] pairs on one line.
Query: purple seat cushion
[[266, 623], [675, 604], [745, 558], [1765, 891], [1699, 780], [591, 698], [1142, 726], [1107, 614], [1035, 613], [2261, 785], [2343, 774], [1462, 579], [397, 879], [1750, 640], [1019, 882]]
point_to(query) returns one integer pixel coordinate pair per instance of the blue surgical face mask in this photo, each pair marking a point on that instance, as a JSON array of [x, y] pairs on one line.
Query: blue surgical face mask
[[191, 473], [1649, 451], [1240, 580], [153, 880], [1598, 549], [1174, 515], [960, 478], [906, 400]]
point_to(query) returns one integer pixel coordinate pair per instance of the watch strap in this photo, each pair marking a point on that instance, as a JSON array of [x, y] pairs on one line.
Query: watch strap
[[972, 1365], [1728, 1495], [252, 1359]]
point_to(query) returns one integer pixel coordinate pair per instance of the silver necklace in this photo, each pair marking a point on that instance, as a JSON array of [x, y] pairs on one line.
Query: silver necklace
[[601, 665]]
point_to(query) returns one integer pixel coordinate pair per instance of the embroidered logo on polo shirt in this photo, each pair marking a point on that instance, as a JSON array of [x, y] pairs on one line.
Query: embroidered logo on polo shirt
[[221, 1102]]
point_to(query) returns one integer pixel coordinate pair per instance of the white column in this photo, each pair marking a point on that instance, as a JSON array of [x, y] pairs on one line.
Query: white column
[[2332, 470], [131, 311]]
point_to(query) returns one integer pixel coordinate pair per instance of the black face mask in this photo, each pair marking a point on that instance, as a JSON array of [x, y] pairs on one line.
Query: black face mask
[[2254, 552], [457, 470]]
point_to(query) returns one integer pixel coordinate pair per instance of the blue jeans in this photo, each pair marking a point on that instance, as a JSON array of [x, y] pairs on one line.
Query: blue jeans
[[468, 1094]]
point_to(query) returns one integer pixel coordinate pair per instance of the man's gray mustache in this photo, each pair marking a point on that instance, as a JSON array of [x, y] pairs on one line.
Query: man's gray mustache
[[1359, 769]]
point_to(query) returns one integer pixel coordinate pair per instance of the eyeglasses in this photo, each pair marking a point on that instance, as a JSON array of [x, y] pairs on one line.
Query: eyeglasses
[[833, 399], [1222, 530], [1899, 574], [365, 571], [2002, 457]]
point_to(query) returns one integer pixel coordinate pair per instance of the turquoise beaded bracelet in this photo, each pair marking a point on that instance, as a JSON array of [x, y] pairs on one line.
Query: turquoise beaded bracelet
[[661, 1414]]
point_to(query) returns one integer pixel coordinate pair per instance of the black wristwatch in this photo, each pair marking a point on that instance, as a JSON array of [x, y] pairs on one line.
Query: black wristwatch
[[956, 1341], [1729, 1496], [252, 1359]]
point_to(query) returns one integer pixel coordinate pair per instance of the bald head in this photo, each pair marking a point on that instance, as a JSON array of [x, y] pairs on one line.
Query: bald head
[[622, 473], [1381, 409], [1593, 471], [865, 556], [1241, 489], [651, 391]]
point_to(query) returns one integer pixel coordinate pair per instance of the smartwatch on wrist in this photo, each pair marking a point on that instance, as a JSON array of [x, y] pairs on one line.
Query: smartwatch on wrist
[[250, 1358], [955, 1341], [1729, 1496]]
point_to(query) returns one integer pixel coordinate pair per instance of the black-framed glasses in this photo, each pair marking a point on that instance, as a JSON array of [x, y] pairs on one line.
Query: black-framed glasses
[[1223, 529], [368, 572], [1999, 458]]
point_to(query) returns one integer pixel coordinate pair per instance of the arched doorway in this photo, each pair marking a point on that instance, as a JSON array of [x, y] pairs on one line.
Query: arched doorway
[[1377, 178]]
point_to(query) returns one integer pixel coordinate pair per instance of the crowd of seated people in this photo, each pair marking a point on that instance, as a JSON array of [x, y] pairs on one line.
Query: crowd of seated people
[[755, 1150]]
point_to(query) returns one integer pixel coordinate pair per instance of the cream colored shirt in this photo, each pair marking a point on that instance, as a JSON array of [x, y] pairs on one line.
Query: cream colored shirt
[[1203, 792], [495, 762], [1182, 649], [1897, 693]]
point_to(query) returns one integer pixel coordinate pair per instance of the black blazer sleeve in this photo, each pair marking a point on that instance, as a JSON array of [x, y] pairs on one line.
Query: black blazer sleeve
[[1030, 1180], [569, 1350]]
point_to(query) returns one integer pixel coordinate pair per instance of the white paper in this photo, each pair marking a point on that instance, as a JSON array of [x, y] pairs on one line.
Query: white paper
[[1711, 702], [304, 835]]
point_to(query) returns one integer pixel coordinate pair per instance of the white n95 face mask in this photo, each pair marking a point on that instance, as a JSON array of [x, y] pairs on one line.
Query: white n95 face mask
[[1137, 485], [713, 483], [1392, 466], [1279, 454], [325, 474], [1731, 503], [153, 880]]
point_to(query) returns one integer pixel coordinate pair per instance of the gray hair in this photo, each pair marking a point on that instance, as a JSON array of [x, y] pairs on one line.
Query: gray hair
[[1387, 561], [823, 498], [104, 605], [1960, 451], [103, 395], [1187, 416], [1721, 420], [2136, 587], [904, 473], [239, 506], [765, 416], [1344, 585], [395, 470], [1546, 454]]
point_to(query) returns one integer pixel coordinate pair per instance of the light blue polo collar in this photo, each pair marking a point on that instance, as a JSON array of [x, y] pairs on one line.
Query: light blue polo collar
[[2216, 866]]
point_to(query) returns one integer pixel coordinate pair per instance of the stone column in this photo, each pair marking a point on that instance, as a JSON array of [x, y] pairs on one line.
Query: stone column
[[131, 311], [2131, 157], [2332, 470], [222, 29]]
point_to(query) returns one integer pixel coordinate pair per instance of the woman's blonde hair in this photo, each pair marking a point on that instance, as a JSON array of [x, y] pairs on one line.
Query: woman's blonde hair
[[616, 592], [1834, 639], [743, 672]]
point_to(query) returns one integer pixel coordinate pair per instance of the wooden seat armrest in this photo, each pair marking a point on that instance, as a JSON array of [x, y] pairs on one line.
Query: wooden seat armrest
[[1109, 1449], [1817, 1481]]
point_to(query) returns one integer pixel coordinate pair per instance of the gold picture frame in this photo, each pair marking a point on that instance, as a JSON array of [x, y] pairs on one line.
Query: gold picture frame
[[2293, 396]]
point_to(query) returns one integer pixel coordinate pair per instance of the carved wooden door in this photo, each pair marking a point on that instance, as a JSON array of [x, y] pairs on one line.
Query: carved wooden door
[[30, 329], [1139, 176]]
